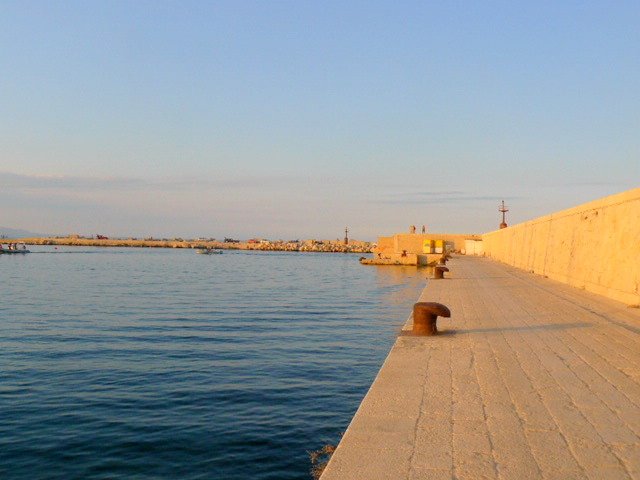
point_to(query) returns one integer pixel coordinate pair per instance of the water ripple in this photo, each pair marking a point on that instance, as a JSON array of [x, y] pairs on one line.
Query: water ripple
[[151, 364]]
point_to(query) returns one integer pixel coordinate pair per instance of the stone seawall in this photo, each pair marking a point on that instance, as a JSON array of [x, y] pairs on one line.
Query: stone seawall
[[593, 246]]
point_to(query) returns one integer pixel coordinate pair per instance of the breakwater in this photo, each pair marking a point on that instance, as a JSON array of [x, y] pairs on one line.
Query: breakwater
[[290, 246]]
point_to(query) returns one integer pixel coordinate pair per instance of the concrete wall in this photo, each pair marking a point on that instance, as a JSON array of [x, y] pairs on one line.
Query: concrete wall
[[473, 247], [385, 245], [595, 246], [412, 242]]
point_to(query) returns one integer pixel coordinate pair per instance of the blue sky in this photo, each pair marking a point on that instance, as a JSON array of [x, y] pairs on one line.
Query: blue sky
[[292, 119]]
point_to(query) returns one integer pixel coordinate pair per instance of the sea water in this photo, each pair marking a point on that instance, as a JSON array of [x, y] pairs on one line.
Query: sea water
[[164, 364]]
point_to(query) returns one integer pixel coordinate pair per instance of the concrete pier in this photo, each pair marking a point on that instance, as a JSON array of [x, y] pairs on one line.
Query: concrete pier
[[528, 379]]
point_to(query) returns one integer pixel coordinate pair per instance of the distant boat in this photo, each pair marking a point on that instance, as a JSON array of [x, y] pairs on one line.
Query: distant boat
[[208, 251], [19, 248]]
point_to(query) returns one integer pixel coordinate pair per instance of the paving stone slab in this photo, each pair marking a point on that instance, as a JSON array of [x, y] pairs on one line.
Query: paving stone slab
[[528, 379]]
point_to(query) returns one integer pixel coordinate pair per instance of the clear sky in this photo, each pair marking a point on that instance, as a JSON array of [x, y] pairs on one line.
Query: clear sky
[[294, 119]]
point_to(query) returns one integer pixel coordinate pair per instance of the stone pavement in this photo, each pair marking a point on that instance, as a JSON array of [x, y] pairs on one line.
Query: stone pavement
[[529, 379]]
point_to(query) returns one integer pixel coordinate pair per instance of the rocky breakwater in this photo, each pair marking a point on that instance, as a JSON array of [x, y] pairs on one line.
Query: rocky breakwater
[[289, 246], [313, 246], [95, 242]]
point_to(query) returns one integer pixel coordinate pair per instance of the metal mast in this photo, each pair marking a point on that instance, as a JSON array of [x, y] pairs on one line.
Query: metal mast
[[504, 210]]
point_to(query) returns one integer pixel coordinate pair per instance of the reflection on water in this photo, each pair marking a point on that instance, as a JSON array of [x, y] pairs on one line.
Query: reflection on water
[[157, 363]]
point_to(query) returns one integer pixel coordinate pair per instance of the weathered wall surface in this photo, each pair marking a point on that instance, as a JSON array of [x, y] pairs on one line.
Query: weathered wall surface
[[595, 246], [385, 245]]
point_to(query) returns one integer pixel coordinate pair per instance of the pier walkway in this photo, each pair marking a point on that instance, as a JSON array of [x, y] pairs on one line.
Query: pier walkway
[[529, 379]]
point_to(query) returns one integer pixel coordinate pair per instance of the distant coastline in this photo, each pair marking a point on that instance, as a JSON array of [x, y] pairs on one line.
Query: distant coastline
[[353, 246]]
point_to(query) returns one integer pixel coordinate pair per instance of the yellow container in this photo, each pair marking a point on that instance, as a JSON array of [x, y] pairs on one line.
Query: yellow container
[[427, 246]]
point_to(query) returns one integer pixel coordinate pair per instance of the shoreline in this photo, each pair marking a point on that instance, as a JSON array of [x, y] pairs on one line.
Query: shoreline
[[302, 246]]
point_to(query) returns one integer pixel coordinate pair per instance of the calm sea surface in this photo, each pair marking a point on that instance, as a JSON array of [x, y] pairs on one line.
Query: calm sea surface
[[164, 364]]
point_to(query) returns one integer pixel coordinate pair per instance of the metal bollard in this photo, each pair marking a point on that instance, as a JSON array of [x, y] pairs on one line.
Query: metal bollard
[[425, 315], [438, 272]]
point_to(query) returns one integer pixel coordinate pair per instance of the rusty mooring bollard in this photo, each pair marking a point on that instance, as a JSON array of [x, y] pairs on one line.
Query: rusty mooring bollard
[[438, 272], [425, 315]]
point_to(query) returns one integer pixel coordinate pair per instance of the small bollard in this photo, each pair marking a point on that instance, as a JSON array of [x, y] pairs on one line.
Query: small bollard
[[425, 315], [438, 272]]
